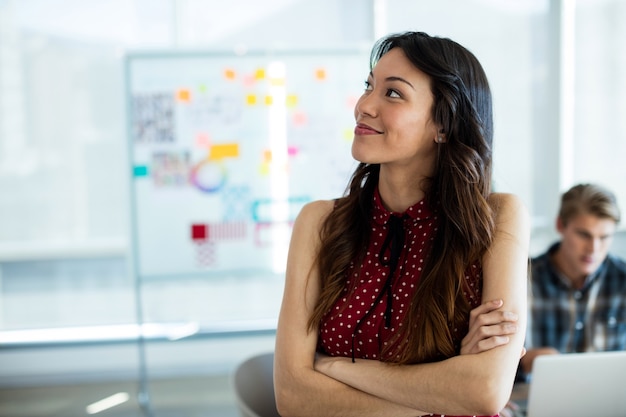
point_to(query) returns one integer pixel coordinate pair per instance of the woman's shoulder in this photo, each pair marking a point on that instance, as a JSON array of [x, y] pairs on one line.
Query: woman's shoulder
[[315, 211], [318, 207], [506, 202], [509, 207], [310, 219]]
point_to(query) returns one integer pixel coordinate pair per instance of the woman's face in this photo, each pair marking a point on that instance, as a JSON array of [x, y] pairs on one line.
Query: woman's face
[[393, 115]]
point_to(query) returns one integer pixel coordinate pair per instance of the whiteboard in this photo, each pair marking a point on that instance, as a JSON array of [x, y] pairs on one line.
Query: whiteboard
[[225, 149]]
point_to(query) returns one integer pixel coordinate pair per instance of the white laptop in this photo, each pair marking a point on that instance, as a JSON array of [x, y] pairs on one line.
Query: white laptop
[[578, 385]]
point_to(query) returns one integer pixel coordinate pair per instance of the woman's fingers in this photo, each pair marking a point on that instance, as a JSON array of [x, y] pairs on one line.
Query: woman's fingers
[[488, 337], [489, 327], [485, 308]]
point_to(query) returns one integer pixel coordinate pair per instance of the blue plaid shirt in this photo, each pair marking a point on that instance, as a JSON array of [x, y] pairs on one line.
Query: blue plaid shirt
[[577, 320]]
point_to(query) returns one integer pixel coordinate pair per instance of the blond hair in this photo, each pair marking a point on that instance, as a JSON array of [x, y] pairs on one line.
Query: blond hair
[[589, 199]]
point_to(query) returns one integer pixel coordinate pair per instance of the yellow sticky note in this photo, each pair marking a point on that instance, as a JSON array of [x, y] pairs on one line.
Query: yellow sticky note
[[259, 74], [224, 150], [264, 169], [251, 99], [269, 100], [291, 100]]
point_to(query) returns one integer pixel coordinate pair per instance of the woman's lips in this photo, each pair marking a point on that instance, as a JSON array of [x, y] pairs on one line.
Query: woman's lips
[[362, 129]]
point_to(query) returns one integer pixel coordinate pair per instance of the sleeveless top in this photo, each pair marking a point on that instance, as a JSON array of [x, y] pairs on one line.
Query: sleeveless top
[[378, 292]]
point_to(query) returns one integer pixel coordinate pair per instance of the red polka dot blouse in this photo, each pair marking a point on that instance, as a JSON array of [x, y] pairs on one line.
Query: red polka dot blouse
[[372, 307], [370, 310]]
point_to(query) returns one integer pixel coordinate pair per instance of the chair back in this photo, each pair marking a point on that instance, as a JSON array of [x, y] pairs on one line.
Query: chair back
[[254, 386]]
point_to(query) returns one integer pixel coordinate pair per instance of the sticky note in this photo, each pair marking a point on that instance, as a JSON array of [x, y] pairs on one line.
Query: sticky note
[[140, 171], [291, 100], [225, 150], [251, 99], [183, 95], [230, 74]]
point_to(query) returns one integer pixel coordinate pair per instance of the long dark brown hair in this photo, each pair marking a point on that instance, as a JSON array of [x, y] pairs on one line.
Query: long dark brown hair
[[459, 189]]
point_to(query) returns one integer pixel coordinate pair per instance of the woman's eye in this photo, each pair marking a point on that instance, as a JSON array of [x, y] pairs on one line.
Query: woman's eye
[[393, 93], [368, 86]]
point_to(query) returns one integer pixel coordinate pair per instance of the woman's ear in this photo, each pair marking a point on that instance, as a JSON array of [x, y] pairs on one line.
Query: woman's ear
[[441, 137]]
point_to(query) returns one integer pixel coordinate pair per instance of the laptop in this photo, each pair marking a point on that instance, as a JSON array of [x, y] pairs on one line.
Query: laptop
[[578, 385]]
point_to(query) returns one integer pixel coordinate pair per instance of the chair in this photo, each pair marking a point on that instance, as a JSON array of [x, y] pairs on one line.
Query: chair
[[254, 386]]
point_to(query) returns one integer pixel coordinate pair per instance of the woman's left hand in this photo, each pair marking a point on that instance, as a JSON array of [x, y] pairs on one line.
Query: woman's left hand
[[489, 327]]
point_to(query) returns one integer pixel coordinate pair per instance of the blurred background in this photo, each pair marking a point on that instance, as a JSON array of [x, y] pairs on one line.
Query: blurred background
[[111, 279]]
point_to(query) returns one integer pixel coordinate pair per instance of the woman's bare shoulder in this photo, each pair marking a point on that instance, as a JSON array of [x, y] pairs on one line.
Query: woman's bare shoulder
[[318, 208], [508, 208], [315, 211], [506, 202]]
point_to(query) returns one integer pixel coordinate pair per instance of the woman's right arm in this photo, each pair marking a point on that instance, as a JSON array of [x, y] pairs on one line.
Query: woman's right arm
[[300, 390]]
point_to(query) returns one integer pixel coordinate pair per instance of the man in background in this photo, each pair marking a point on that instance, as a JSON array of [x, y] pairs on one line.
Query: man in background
[[578, 289]]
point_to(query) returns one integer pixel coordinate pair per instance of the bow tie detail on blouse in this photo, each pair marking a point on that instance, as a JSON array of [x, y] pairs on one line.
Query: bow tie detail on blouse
[[394, 242]]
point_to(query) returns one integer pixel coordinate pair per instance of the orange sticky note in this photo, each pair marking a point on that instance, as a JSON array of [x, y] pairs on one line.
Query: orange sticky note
[[183, 95], [320, 74], [230, 74]]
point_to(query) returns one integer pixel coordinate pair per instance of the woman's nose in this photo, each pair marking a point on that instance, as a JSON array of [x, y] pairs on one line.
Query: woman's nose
[[365, 106]]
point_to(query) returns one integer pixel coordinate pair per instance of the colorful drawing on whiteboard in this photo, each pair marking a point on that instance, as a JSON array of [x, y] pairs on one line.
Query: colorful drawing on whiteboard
[[236, 203], [153, 118], [205, 237], [170, 169], [210, 174]]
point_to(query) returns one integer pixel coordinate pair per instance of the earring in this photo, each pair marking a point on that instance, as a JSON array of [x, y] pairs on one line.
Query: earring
[[439, 139]]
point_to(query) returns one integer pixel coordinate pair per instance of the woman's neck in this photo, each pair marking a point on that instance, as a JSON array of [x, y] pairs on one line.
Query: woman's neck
[[399, 196], [401, 184]]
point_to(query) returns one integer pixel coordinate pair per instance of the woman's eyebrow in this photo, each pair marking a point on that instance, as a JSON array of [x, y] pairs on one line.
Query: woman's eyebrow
[[394, 78], [399, 79]]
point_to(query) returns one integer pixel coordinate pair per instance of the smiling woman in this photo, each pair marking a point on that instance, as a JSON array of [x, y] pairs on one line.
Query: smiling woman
[[391, 286], [64, 200]]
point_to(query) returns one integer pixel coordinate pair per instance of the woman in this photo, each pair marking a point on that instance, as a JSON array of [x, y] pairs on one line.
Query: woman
[[387, 306]]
